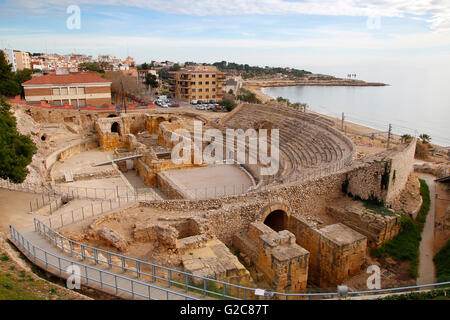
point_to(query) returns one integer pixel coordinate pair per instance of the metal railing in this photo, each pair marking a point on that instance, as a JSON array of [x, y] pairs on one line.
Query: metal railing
[[143, 269], [189, 283], [95, 277], [24, 187], [54, 202]]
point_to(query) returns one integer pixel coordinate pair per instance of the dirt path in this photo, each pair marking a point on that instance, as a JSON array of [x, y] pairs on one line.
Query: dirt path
[[426, 265], [14, 209]]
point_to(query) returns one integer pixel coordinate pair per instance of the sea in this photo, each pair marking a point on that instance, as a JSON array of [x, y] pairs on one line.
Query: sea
[[414, 101]]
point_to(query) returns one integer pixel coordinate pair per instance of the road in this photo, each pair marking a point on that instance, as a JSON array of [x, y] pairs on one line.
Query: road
[[426, 266]]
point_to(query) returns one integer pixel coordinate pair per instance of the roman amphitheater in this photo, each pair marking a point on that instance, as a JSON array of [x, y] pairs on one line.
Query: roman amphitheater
[[110, 196]]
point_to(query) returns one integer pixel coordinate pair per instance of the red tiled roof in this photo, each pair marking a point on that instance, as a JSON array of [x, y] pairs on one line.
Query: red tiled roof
[[189, 71], [79, 77]]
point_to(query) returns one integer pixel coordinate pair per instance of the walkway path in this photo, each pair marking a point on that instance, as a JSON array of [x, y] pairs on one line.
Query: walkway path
[[426, 264], [49, 258]]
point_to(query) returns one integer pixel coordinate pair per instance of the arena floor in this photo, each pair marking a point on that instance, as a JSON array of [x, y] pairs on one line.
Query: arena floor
[[210, 182]]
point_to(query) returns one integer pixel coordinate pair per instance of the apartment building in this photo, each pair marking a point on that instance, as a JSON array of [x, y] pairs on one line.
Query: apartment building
[[23, 60], [200, 83], [77, 89], [11, 58], [142, 74]]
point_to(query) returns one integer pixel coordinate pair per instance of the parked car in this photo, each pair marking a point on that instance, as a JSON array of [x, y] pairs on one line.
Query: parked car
[[174, 105], [194, 101], [212, 101]]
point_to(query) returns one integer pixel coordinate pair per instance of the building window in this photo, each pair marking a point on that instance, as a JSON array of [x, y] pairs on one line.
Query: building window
[[200, 90], [193, 90], [214, 89], [200, 83], [193, 76], [213, 96], [207, 75], [82, 103], [207, 97], [73, 91], [207, 82], [199, 75], [213, 82], [192, 83], [80, 90], [56, 92], [213, 75], [64, 91], [200, 97], [207, 89]]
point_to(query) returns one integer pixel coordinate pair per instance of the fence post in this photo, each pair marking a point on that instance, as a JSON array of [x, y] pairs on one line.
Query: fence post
[[138, 269], [95, 256], [153, 273]]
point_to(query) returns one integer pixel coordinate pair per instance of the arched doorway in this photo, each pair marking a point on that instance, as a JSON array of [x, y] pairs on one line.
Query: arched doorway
[[277, 220], [115, 127]]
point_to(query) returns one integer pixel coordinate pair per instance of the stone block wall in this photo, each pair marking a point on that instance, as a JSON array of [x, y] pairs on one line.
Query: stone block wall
[[336, 251], [401, 167], [383, 176], [283, 263], [376, 227]]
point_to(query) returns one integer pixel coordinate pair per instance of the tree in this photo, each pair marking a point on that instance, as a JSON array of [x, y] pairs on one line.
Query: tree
[[21, 76], [150, 80], [425, 138], [16, 150], [123, 86], [5, 68], [175, 67], [9, 88], [229, 104], [248, 96], [144, 66], [406, 138], [94, 66]]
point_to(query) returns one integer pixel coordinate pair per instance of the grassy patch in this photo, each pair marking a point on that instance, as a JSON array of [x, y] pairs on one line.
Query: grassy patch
[[442, 263], [18, 284], [375, 207], [423, 212], [439, 294], [405, 246]]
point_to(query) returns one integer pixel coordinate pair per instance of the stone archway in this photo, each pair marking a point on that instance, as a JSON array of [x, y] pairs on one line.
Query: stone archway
[[115, 127], [276, 216], [277, 220]]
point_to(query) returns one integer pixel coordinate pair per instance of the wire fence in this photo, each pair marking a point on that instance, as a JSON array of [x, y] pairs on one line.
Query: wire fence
[[98, 278], [176, 278], [23, 187], [46, 199], [142, 269]]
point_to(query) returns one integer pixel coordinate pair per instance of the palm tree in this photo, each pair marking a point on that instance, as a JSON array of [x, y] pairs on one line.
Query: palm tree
[[406, 138], [425, 138]]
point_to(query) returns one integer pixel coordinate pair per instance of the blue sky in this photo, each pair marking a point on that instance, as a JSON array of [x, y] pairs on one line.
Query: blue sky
[[309, 34]]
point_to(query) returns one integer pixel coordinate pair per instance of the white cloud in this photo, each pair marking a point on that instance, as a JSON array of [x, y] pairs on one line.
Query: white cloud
[[436, 11]]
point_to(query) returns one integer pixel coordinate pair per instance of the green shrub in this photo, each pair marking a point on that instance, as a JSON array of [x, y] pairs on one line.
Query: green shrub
[[229, 104], [4, 257], [442, 263], [405, 246]]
